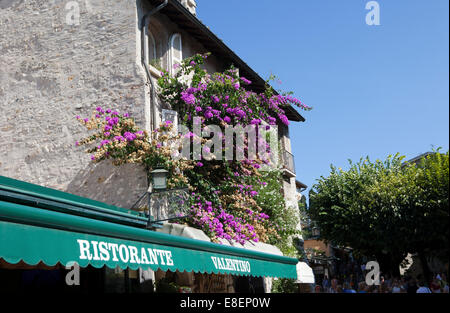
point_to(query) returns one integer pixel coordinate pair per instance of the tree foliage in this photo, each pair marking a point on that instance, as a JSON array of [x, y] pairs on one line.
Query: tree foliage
[[386, 209]]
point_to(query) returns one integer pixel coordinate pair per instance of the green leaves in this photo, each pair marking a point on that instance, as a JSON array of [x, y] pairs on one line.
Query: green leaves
[[385, 205]]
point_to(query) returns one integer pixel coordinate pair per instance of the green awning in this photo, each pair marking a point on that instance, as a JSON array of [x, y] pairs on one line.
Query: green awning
[[35, 235], [12, 190]]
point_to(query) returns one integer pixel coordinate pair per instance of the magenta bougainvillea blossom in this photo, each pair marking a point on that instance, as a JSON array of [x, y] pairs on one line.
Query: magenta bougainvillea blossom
[[228, 198]]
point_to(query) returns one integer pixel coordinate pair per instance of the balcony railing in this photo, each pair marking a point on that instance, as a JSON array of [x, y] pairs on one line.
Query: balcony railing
[[288, 161]]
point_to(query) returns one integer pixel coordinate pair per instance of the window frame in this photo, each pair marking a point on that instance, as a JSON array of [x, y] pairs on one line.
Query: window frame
[[172, 60], [151, 49]]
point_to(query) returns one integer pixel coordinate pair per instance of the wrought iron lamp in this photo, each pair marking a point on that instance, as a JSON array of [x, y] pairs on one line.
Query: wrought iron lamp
[[172, 201], [159, 180], [159, 184]]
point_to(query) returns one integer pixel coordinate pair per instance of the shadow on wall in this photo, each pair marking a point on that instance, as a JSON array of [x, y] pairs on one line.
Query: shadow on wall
[[116, 185]]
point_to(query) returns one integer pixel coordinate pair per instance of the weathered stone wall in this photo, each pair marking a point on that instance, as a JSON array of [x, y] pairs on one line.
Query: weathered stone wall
[[54, 67], [50, 72]]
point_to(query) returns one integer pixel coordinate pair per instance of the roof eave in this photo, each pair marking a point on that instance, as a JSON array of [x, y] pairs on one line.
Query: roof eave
[[259, 84]]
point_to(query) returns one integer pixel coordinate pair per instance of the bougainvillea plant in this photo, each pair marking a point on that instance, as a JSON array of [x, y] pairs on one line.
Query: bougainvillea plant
[[228, 199]]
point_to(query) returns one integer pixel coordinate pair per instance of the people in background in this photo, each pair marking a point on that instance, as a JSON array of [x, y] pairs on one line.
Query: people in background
[[396, 287], [435, 286], [423, 288], [348, 288], [442, 279], [326, 284], [412, 286], [362, 287], [388, 284], [334, 286]]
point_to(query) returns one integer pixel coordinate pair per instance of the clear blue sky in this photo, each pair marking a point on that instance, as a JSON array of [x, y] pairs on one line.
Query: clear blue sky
[[376, 90]]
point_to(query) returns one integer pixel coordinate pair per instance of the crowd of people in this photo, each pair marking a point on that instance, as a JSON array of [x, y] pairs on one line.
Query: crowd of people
[[387, 284]]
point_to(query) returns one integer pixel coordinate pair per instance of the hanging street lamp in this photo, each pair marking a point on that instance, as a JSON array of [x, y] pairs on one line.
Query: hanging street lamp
[[159, 179], [163, 204]]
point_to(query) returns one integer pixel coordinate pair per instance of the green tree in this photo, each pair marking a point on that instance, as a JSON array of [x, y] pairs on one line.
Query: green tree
[[386, 209], [427, 217], [283, 285]]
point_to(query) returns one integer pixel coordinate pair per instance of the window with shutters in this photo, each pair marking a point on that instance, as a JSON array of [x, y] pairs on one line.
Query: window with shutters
[[176, 52]]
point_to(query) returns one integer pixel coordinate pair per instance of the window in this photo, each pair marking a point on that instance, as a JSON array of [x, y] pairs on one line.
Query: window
[[170, 116], [152, 57], [176, 51]]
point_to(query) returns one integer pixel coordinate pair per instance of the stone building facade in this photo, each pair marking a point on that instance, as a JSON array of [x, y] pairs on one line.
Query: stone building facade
[[59, 59], [56, 64]]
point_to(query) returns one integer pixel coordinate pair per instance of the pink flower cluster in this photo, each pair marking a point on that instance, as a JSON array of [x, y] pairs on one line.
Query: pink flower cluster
[[222, 99], [221, 224], [111, 119], [247, 190]]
